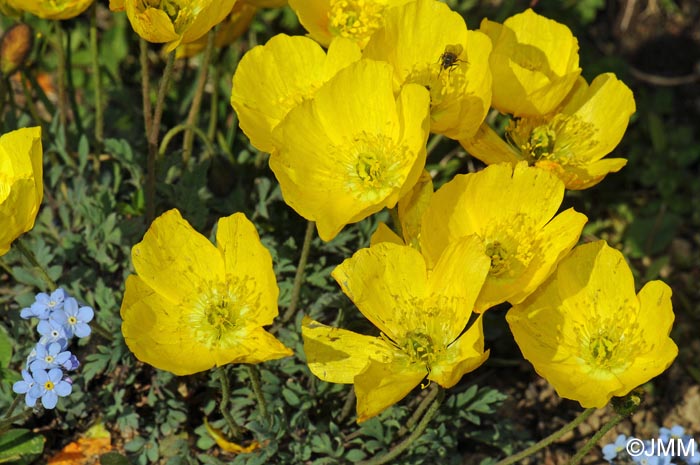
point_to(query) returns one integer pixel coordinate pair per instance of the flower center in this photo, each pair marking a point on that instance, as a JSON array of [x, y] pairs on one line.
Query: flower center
[[180, 12], [48, 385], [355, 19], [419, 347], [511, 246], [49, 359], [72, 320], [560, 139], [373, 167], [219, 312]]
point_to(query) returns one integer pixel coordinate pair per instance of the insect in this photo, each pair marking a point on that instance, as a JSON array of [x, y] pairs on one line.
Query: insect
[[450, 57]]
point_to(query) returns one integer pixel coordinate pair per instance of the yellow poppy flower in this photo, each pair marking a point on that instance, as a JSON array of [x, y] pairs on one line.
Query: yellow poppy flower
[[534, 63], [353, 19], [513, 211], [230, 29], [55, 9], [429, 44], [192, 306], [422, 317], [173, 21], [410, 214], [272, 79], [570, 142], [588, 334], [21, 183], [352, 150]]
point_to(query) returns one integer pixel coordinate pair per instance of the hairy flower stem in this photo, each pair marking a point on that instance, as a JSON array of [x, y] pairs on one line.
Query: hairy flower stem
[[61, 75], [153, 127], [624, 407], [254, 373], [7, 419], [433, 142], [427, 400], [179, 128], [299, 277], [29, 255], [236, 430], [549, 439], [410, 439], [97, 81], [193, 115]]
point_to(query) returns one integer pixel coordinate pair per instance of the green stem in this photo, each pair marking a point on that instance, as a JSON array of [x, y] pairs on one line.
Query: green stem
[[31, 106], [193, 115], [29, 255], [3, 94], [61, 75], [71, 85], [153, 139], [97, 81], [410, 439], [549, 439], [433, 142], [145, 86], [624, 407], [236, 430], [179, 128], [50, 107], [214, 104], [299, 277], [8, 420], [427, 400], [254, 373], [347, 406]]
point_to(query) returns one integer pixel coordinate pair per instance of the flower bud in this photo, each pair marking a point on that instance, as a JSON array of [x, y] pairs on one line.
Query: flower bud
[[15, 47]]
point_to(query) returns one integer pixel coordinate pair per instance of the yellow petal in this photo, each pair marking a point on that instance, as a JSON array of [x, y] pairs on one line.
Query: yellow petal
[[466, 354], [254, 346], [534, 63], [272, 79], [174, 259], [487, 146], [227, 445], [344, 159], [152, 24], [385, 234], [21, 183], [384, 282], [454, 285], [381, 385], [153, 331], [246, 259], [337, 355]]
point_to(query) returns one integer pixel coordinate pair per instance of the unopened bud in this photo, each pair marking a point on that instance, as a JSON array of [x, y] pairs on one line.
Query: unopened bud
[[15, 47]]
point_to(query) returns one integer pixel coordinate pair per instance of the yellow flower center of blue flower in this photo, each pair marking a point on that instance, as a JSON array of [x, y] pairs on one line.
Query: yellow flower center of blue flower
[[219, 313], [355, 19], [48, 385], [560, 139], [372, 167], [72, 320]]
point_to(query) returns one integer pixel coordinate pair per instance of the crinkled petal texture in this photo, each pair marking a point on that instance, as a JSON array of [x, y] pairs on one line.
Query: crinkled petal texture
[[512, 210], [55, 9], [21, 183], [174, 21], [534, 63], [489, 147], [192, 305], [230, 29], [352, 150], [355, 20], [421, 314], [595, 120], [428, 44], [410, 211], [588, 334], [272, 79]]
